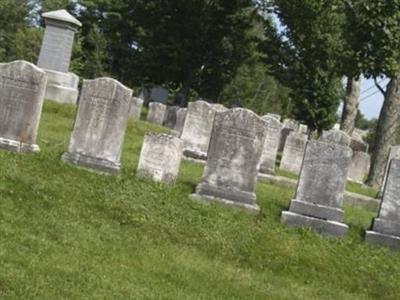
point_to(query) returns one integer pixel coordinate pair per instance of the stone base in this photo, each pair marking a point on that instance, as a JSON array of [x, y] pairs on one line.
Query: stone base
[[316, 210], [252, 208], [194, 160], [62, 87], [229, 193], [16, 146], [92, 163], [331, 228], [378, 238]]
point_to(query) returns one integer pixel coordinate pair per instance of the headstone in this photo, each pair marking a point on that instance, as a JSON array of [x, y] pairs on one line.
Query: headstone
[[394, 153], [289, 125], [359, 145], [319, 197], [159, 94], [180, 120], [136, 108], [271, 145], [55, 56], [293, 152], [171, 116], [197, 129], [160, 158], [22, 87], [100, 125], [386, 228], [359, 166], [275, 116], [303, 129], [156, 113], [231, 170], [336, 137], [336, 126]]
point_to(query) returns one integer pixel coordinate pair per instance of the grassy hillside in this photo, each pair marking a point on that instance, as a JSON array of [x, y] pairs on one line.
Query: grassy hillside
[[66, 233]]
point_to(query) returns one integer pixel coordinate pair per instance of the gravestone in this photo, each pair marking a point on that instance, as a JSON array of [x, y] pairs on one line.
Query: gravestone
[[289, 125], [293, 153], [160, 158], [358, 145], [136, 108], [336, 137], [180, 120], [22, 87], [303, 129], [156, 113], [159, 94], [394, 153], [319, 197], [196, 132], [386, 228], [100, 125], [359, 166], [275, 116], [55, 56], [231, 169], [271, 145], [171, 116]]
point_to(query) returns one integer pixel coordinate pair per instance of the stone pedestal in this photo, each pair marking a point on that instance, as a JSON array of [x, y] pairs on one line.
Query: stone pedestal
[[62, 87]]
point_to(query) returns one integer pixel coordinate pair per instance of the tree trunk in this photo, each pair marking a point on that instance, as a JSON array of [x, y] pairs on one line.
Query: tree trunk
[[386, 132], [350, 107]]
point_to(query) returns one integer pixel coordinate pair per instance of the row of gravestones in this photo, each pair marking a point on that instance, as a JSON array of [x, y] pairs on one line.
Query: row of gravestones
[[234, 150]]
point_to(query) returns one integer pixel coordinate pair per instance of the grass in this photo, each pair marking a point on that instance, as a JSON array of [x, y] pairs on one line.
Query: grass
[[66, 233]]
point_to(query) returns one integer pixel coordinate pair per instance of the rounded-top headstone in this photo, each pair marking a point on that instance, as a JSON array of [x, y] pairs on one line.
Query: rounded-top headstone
[[336, 137]]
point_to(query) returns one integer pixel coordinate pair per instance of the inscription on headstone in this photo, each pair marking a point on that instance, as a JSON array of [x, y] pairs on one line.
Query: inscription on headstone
[[271, 145], [293, 152], [232, 165], [100, 126], [156, 113], [160, 158], [319, 197], [22, 87]]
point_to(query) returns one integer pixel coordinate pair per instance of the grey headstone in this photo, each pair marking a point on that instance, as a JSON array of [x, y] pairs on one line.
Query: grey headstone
[[303, 129], [289, 125], [197, 129], [386, 228], [156, 113], [293, 153], [159, 94], [235, 149], [100, 125], [22, 87], [271, 145], [160, 158], [171, 116], [359, 166], [359, 145], [319, 197], [136, 108], [394, 153], [275, 116], [336, 137], [180, 120]]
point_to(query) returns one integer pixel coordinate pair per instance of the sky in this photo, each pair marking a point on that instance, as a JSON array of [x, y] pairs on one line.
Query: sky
[[371, 98]]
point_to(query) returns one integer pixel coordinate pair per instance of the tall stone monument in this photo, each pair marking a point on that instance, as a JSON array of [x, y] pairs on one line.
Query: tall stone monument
[[156, 113], [22, 87], [271, 144], [160, 158], [55, 56], [386, 228], [98, 135], [231, 169], [293, 152], [319, 197]]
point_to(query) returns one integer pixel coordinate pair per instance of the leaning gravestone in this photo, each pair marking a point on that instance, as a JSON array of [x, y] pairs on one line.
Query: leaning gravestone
[[359, 166], [336, 137], [271, 145], [319, 197], [289, 125], [22, 88], [196, 132], [55, 56], [171, 116], [293, 152], [386, 228], [231, 170], [394, 153], [136, 108], [100, 125], [160, 158], [156, 113]]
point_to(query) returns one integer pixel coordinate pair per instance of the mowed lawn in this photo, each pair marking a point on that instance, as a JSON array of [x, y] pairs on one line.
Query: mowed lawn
[[66, 233]]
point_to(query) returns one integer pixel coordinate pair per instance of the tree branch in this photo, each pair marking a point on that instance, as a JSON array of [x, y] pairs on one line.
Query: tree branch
[[379, 87]]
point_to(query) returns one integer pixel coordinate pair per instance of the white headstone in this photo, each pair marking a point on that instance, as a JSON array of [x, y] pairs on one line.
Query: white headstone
[[293, 152], [156, 113], [359, 166], [136, 108], [271, 145]]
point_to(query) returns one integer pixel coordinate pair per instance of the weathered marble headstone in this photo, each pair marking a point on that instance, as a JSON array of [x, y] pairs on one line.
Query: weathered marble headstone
[[359, 166], [156, 113], [318, 202], [336, 137], [231, 170], [197, 129], [386, 228], [159, 94], [293, 152], [303, 129], [171, 116], [136, 108], [289, 125], [276, 116], [271, 145], [394, 153], [358, 145], [55, 56], [160, 157], [100, 125], [180, 120], [22, 87]]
